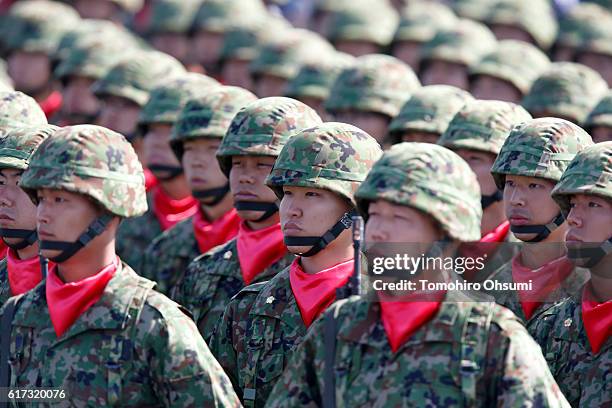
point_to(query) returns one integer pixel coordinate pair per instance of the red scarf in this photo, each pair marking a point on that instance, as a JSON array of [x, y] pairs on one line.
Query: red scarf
[[499, 234], [259, 249], [51, 104], [484, 248], [169, 212], [23, 275], [68, 301], [210, 234], [150, 179], [597, 318], [546, 279], [3, 250], [315, 292]]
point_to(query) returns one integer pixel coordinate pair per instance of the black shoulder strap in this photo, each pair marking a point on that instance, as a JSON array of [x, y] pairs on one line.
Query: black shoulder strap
[[5, 341], [329, 383]]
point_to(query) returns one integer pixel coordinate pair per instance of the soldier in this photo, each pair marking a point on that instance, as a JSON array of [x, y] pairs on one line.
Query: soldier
[[446, 58], [118, 11], [170, 201], [20, 270], [528, 166], [575, 335], [94, 328], [371, 92], [507, 73], [19, 110], [427, 114], [315, 177], [595, 50], [196, 136], [258, 252], [566, 90], [394, 351], [599, 121]]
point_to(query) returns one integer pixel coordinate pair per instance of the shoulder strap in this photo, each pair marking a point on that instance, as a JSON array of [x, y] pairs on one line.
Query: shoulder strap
[[329, 383], [5, 341]]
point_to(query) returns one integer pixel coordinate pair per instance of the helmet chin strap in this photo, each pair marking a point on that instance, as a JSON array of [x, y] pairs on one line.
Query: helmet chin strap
[[269, 208], [68, 249], [543, 231], [217, 193], [319, 243], [488, 200], [28, 237], [593, 255], [171, 171]]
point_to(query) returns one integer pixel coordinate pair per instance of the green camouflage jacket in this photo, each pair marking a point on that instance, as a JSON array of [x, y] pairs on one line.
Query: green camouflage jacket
[[166, 259], [5, 288], [581, 375], [470, 354], [212, 280], [134, 347]]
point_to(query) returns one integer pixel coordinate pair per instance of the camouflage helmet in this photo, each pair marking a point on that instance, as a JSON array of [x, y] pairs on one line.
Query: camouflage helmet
[[263, 127], [516, 62], [34, 25], [331, 156], [92, 59], [430, 109], [93, 161], [166, 101], [172, 16], [18, 110], [209, 115], [220, 15], [135, 77], [375, 83], [421, 20], [465, 43], [359, 21], [431, 179], [539, 148], [18, 145], [243, 42], [483, 126], [590, 172], [315, 80], [601, 115], [596, 36], [6, 83], [574, 25], [131, 6], [567, 90]]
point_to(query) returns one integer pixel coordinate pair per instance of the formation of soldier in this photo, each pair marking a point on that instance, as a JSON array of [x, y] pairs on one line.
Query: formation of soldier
[[183, 183]]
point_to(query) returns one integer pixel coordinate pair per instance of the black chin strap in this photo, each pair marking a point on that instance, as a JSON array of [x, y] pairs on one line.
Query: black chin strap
[[28, 237], [543, 231], [488, 200], [218, 194], [593, 255], [269, 208], [171, 171], [68, 249], [319, 243]]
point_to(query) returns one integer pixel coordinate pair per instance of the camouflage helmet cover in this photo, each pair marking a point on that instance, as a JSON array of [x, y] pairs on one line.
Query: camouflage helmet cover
[[421, 20], [359, 21], [601, 115], [18, 145], [172, 16], [18, 109]]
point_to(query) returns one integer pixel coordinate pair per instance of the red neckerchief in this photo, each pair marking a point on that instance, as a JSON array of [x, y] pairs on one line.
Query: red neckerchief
[[23, 275], [168, 211], [210, 234], [3, 250], [546, 279], [597, 318], [258, 249], [315, 292], [150, 179], [499, 234], [68, 301], [484, 248], [52, 103]]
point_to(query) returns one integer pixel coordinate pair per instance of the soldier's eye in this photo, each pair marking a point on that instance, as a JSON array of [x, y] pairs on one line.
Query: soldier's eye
[[593, 204], [509, 183], [534, 185]]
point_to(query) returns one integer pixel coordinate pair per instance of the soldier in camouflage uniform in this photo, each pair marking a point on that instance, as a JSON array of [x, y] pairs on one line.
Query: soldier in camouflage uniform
[[196, 136], [106, 338], [371, 92], [170, 201], [258, 252], [575, 335], [477, 133], [528, 166], [19, 110], [20, 271], [315, 176], [506, 74], [599, 121], [446, 57], [565, 90], [427, 114], [393, 351]]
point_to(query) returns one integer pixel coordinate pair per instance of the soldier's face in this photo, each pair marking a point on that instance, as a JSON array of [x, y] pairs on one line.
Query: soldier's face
[[236, 72], [480, 163], [201, 166], [119, 114], [589, 219], [487, 87], [310, 212], [599, 62], [510, 32], [527, 201], [16, 209], [99, 9], [270, 85], [420, 137], [601, 134], [175, 44], [157, 146], [445, 73], [206, 47], [30, 71], [409, 52], [374, 124], [247, 178], [357, 48], [80, 105]]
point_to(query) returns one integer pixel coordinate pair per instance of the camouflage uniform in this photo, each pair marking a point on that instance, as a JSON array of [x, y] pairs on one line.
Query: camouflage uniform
[[133, 347], [469, 354], [215, 277], [267, 313], [565, 90], [582, 375], [18, 110], [166, 259]]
